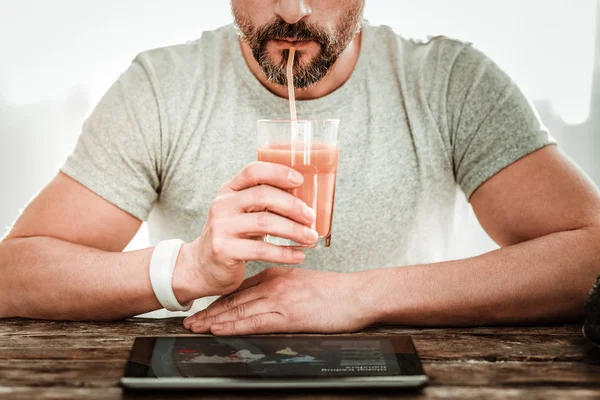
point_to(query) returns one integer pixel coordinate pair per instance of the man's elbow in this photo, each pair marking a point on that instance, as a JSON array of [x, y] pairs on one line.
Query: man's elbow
[[7, 309], [588, 270]]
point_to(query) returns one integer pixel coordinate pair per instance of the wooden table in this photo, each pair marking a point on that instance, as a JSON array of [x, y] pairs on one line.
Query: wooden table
[[40, 360]]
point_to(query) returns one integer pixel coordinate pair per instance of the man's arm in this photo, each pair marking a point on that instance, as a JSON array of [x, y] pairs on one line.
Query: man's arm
[[63, 260], [541, 208], [546, 215]]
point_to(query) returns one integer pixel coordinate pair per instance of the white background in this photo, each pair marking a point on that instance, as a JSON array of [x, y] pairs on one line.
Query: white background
[[57, 57]]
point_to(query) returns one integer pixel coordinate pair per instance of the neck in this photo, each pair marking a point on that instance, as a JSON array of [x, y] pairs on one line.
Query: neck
[[337, 76]]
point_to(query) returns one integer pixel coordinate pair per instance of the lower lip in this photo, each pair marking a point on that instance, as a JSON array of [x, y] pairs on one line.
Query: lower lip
[[298, 45]]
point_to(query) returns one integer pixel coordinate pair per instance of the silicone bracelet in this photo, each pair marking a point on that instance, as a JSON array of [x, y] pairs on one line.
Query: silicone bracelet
[[162, 266]]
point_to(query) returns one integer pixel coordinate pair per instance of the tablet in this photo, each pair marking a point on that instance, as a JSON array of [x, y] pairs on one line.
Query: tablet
[[273, 362]]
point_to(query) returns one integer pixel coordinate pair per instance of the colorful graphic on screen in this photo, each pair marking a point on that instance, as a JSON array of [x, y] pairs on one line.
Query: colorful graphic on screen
[[281, 357]]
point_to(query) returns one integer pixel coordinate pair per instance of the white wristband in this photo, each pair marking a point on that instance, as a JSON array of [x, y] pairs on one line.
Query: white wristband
[[162, 266]]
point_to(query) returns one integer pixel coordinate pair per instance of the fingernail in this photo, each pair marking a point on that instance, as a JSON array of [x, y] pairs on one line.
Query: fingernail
[[216, 327], [309, 213], [310, 234], [295, 177], [299, 255], [189, 320], [196, 326]]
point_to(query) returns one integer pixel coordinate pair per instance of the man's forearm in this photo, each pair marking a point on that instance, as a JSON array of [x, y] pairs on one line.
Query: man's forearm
[[542, 280], [51, 279]]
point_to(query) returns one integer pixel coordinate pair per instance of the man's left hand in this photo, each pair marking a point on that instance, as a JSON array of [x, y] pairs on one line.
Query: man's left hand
[[284, 300]]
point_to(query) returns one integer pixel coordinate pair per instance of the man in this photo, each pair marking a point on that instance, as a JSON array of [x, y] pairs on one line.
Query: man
[[421, 123]]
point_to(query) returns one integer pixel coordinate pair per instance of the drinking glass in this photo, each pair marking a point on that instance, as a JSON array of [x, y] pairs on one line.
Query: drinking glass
[[311, 148]]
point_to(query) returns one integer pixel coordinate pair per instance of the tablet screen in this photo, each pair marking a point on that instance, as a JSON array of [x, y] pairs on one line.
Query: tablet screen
[[273, 357]]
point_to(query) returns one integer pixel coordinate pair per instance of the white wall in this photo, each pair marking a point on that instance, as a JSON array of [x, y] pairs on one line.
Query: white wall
[[57, 57]]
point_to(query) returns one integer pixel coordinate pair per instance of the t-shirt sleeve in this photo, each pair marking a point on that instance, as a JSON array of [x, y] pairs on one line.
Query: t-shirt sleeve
[[118, 152], [491, 123]]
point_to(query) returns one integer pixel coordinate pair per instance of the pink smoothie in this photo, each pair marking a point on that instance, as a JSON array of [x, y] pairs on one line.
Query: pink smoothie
[[319, 166]]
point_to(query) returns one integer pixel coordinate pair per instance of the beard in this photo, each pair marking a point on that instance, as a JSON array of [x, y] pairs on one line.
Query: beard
[[306, 74]]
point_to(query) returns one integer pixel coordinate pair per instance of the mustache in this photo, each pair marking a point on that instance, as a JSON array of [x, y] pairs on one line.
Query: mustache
[[301, 30]]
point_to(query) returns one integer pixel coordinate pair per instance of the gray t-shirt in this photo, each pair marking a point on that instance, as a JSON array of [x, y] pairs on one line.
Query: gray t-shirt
[[423, 124]]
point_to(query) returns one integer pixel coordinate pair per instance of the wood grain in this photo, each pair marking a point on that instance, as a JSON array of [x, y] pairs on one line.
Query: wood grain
[[46, 359]]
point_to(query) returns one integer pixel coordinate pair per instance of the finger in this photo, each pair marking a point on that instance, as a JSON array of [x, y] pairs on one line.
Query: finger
[[227, 303], [239, 313], [257, 250], [265, 197], [235, 300], [257, 324], [266, 223], [245, 310], [263, 173], [187, 322]]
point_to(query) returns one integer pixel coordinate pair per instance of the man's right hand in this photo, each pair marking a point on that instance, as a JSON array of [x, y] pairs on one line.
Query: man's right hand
[[252, 204]]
